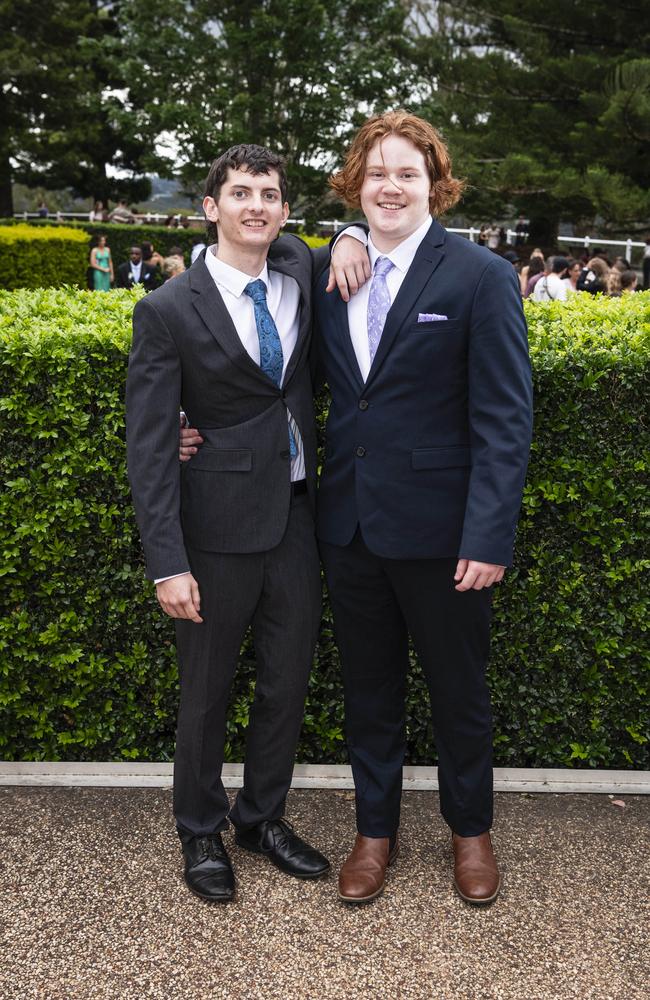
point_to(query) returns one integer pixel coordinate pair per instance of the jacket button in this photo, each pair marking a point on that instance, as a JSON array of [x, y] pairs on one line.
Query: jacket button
[[285, 454], [363, 404], [361, 451]]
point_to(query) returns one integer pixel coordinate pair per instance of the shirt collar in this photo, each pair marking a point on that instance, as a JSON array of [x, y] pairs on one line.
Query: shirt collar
[[402, 255], [229, 277]]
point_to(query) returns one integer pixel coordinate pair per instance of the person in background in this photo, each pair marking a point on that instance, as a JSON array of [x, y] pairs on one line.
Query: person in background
[[572, 275], [524, 274], [593, 277], [513, 258], [171, 267], [482, 235], [629, 281], [135, 272], [614, 283], [521, 231], [646, 265], [619, 282], [535, 271], [121, 213], [493, 237], [150, 255], [102, 266], [176, 252], [197, 250], [42, 209], [97, 213], [551, 288]]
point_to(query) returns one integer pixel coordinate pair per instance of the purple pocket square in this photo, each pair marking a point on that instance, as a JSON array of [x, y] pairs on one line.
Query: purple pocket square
[[429, 317]]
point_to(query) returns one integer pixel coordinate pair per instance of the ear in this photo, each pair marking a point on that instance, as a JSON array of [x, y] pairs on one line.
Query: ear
[[211, 209], [285, 213]]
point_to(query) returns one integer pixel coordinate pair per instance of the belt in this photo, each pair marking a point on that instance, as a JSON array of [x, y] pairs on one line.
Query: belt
[[299, 487]]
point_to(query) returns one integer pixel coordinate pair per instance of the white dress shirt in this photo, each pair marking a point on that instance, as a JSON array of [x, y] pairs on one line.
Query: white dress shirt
[[136, 270], [402, 257], [283, 300]]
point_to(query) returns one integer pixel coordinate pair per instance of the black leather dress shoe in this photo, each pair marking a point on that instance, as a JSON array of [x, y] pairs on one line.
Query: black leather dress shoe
[[277, 840], [208, 872]]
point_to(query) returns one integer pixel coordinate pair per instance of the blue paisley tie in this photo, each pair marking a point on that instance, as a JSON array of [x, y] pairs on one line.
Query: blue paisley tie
[[271, 359]]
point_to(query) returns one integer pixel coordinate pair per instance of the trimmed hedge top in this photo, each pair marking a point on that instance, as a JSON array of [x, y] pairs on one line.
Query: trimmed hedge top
[[23, 231], [41, 256]]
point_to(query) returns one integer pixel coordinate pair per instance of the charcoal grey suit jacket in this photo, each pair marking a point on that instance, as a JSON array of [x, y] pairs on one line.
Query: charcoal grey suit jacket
[[234, 494]]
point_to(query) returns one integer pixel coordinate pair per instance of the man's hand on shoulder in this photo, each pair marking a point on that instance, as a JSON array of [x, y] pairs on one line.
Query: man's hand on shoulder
[[473, 575], [179, 597], [349, 268]]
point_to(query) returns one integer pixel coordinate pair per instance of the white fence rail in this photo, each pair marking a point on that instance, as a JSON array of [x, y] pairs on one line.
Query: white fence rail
[[333, 224]]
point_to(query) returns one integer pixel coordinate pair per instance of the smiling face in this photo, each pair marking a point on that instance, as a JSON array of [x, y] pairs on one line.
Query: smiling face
[[249, 213], [395, 191]]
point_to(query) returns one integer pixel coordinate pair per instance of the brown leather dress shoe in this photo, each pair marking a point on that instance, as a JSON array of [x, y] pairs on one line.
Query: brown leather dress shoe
[[476, 875], [363, 875]]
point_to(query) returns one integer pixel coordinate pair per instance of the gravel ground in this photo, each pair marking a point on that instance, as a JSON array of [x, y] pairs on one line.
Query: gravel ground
[[93, 906]]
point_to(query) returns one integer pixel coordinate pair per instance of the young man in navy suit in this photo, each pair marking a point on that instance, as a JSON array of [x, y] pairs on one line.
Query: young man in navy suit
[[426, 451]]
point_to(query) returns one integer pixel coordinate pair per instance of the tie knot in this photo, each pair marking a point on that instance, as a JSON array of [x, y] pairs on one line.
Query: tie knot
[[383, 265], [256, 290]]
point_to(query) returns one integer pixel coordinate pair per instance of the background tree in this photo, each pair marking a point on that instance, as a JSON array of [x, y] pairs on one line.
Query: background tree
[[297, 75], [59, 113], [546, 106]]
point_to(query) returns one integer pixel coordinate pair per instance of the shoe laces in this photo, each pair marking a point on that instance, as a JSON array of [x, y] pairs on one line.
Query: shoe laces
[[211, 847], [285, 827]]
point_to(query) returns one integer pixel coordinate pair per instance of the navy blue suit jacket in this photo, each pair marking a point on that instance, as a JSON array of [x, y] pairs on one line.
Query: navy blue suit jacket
[[429, 455]]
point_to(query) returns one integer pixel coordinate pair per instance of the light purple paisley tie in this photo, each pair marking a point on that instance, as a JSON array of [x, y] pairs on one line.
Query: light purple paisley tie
[[378, 303]]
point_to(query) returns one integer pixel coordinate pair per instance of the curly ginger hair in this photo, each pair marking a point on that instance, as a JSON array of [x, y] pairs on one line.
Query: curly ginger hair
[[446, 190]]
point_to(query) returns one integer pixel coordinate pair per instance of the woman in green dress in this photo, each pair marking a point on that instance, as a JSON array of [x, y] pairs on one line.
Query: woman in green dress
[[102, 265]]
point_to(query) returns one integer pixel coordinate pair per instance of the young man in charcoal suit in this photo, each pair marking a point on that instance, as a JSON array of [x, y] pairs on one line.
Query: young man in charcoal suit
[[229, 537]]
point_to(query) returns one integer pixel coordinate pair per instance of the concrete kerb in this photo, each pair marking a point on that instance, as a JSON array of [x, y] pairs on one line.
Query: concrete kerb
[[332, 776]]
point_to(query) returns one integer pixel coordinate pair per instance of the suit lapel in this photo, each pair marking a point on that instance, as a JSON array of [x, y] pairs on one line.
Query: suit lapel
[[282, 260], [427, 257], [339, 310], [211, 308]]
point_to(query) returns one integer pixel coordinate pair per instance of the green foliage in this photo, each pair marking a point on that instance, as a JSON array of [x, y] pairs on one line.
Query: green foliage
[[61, 102], [87, 665], [35, 256], [291, 74], [546, 108]]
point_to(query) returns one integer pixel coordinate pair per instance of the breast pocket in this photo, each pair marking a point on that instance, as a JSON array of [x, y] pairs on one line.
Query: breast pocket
[[437, 327]]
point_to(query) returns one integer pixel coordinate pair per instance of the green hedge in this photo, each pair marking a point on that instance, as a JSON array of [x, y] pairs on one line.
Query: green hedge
[[35, 256], [87, 667], [121, 238]]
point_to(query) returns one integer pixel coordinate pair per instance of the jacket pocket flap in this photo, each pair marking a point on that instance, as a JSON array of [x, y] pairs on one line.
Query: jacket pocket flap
[[441, 458], [222, 460]]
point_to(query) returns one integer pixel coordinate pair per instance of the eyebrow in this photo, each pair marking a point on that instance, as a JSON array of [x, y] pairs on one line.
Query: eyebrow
[[247, 187], [381, 166]]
